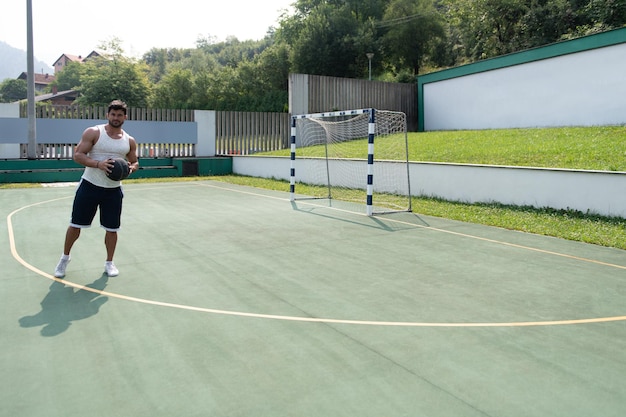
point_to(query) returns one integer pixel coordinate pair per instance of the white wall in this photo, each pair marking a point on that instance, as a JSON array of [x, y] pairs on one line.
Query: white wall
[[298, 93], [594, 191], [9, 150], [206, 132], [9, 110], [581, 89], [598, 192]]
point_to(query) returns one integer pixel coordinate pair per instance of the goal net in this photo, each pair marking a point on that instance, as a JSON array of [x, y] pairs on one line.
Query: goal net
[[354, 155]]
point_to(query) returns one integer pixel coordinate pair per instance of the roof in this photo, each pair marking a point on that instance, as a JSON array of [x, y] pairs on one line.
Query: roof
[[39, 78], [73, 58], [49, 96], [94, 54], [77, 58]]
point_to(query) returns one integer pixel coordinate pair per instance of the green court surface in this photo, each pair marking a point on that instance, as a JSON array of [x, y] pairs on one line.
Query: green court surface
[[233, 301]]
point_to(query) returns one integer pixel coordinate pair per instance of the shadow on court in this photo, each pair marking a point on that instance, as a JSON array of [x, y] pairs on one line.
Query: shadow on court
[[393, 221], [64, 305]]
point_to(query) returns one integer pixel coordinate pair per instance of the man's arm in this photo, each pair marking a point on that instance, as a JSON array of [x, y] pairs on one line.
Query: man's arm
[[132, 155], [87, 140]]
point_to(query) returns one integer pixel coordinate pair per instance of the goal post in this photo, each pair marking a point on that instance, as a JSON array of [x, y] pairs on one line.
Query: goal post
[[333, 157]]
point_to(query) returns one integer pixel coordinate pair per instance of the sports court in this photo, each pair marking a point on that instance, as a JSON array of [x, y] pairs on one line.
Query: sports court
[[234, 301]]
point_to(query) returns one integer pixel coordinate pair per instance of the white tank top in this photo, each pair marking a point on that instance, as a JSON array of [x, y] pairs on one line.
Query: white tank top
[[106, 147]]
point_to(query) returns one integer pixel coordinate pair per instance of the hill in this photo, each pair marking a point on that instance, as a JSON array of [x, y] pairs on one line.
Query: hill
[[14, 62]]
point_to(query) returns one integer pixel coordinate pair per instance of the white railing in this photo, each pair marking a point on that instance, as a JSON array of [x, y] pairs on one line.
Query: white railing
[[144, 150]]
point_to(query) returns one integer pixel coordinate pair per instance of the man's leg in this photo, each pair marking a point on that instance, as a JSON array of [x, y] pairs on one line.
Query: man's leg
[[110, 242], [71, 236], [110, 219]]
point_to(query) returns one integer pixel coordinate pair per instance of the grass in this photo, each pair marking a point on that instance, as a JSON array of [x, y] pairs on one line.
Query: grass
[[590, 148]]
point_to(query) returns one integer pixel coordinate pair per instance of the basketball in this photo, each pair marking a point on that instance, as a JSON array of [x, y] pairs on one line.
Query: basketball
[[119, 171]]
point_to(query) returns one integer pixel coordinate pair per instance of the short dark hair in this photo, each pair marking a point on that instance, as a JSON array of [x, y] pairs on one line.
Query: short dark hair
[[117, 105]]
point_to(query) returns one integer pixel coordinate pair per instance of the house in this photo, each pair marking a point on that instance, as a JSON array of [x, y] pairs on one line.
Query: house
[[65, 59], [41, 80], [61, 98]]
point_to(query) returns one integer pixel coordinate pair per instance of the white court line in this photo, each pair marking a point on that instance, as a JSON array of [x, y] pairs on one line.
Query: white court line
[[32, 268]]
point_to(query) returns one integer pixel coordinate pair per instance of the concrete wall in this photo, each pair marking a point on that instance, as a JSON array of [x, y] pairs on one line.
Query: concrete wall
[[594, 191]]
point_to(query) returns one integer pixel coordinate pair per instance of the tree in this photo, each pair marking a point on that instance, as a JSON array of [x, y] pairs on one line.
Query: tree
[[13, 90], [593, 16], [230, 75], [488, 28], [113, 76], [185, 81], [410, 29], [263, 82], [330, 41], [174, 91], [273, 67], [158, 59], [69, 78], [479, 29]]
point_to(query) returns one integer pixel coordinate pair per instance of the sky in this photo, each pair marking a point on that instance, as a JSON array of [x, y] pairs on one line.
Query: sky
[[77, 27]]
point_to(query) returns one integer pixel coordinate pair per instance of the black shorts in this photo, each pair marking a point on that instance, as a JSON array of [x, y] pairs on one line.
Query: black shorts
[[89, 198]]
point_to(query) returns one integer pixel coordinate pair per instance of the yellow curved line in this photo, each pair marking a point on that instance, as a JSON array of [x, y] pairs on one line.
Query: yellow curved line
[[16, 255]]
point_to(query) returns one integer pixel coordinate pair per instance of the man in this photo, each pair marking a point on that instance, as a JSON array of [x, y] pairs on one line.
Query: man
[[97, 148]]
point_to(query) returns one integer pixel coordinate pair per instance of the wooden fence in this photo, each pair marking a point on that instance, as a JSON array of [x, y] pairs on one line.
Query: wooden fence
[[244, 133], [317, 94], [236, 133], [99, 113]]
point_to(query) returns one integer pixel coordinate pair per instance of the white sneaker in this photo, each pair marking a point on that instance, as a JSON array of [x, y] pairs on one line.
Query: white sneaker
[[110, 269], [59, 271]]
